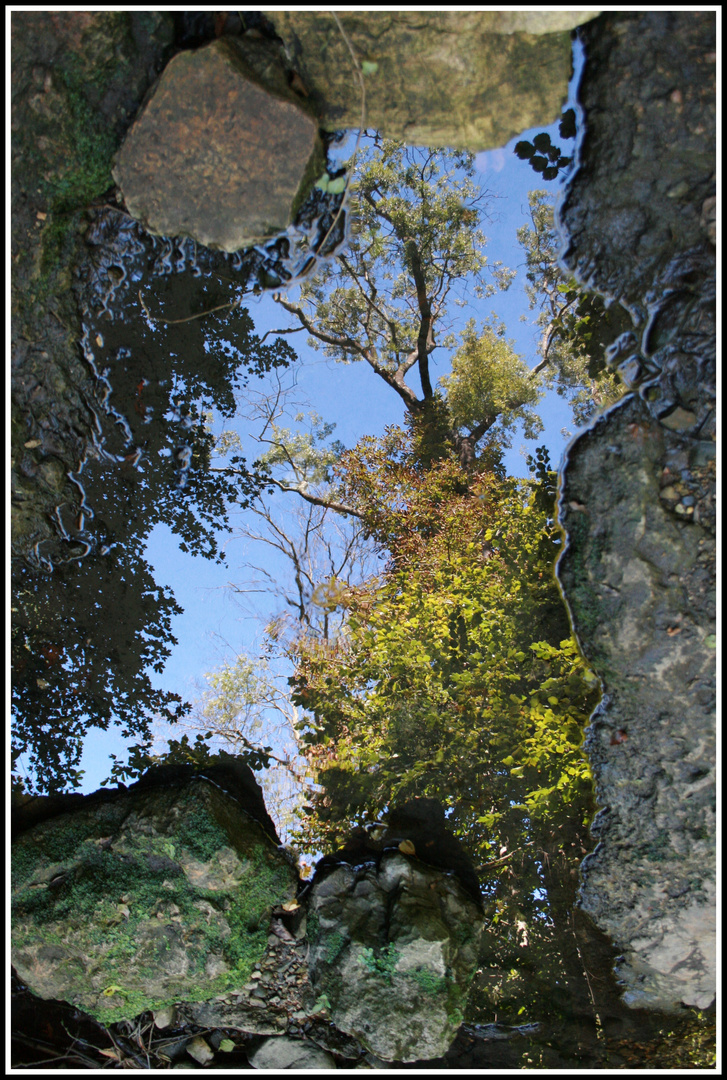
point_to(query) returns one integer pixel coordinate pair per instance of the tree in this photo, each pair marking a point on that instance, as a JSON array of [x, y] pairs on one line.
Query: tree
[[452, 672], [456, 677], [577, 325], [415, 251]]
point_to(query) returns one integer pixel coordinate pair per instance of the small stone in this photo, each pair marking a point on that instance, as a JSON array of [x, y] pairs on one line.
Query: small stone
[[164, 1018], [679, 419], [200, 1050], [282, 1052], [678, 191]]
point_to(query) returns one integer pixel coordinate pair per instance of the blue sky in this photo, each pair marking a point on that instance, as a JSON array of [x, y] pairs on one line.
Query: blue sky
[[214, 627]]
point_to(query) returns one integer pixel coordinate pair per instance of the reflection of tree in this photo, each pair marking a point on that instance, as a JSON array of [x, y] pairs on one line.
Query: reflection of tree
[[577, 326], [455, 677], [83, 639], [86, 633], [166, 377]]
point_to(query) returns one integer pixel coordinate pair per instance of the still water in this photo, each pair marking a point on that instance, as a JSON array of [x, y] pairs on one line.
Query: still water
[[92, 625]]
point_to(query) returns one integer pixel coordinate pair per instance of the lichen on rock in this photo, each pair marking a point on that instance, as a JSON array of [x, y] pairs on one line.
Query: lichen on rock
[[393, 951]]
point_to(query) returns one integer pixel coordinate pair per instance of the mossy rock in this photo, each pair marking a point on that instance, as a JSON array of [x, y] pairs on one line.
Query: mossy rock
[[147, 899]]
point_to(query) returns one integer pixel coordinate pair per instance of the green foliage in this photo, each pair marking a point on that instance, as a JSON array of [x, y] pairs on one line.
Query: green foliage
[[490, 382], [415, 241], [457, 671], [381, 962], [577, 325], [305, 456]]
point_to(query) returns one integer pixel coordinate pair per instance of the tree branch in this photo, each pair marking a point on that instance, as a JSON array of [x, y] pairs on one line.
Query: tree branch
[[316, 500], [425, 342], [394, 379]]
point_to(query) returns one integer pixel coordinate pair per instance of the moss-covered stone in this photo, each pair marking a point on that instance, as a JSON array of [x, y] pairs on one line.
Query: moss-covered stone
[[149, 899], [393, 952]]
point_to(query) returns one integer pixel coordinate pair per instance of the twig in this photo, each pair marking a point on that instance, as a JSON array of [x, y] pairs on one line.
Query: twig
[[293, 330], [188, 318]]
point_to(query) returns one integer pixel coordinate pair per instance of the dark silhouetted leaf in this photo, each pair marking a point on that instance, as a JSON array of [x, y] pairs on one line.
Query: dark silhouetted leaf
[[567, 126], [524, 150]]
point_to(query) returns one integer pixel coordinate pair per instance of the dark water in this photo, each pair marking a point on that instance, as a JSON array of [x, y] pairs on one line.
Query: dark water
[[91, 620]]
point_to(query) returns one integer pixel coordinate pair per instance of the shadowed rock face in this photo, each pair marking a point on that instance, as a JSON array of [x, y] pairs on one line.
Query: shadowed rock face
[[637, 499], [394, 940]]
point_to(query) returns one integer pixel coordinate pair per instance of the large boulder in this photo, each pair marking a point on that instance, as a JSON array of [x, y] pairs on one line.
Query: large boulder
[[470, 79], [637, 499], [139, 899], [394, 945], [223, 150]]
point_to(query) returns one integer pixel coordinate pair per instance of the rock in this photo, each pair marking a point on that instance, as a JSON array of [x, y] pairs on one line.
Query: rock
[[434, 78], [78, 77], [286, 1053], [637, 498], [393, 949], [633, 577], [215, 154], [131, 901]]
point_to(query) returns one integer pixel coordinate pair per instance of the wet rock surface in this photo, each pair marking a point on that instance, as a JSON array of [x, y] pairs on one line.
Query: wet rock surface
[[76, 80], [637, 499], [422, 83], [223, 150], [394, 946], [143, 898]]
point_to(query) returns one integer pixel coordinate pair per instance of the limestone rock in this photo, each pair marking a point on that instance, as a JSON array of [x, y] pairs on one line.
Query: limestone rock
[[635, 577], [434, 78], [286, 1053], [144, 898], [222, 152], [637, 501], [393, 949]]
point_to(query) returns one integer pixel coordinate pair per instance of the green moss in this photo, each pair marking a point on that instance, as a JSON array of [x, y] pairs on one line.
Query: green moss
[[381, 962], [107, 896], [201, 835], [313, 927], [335, 945], [429, 981]]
